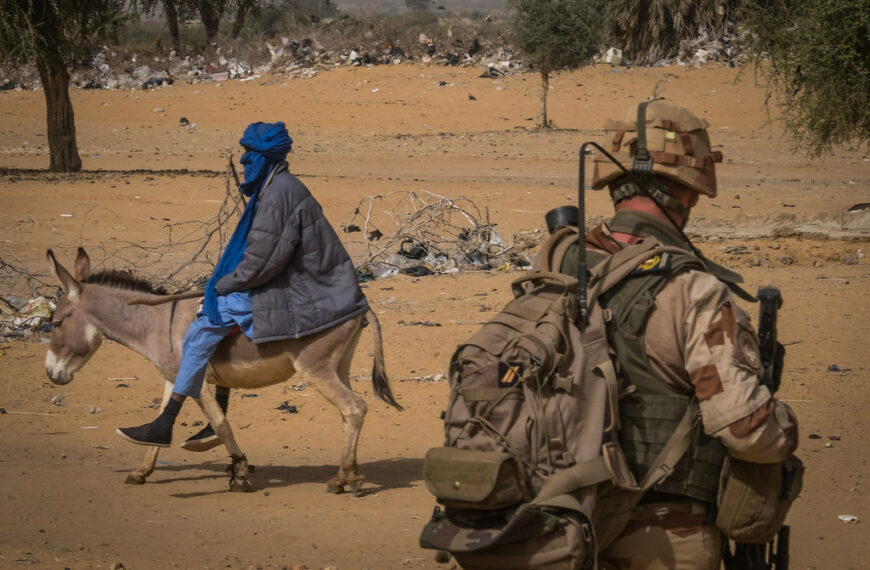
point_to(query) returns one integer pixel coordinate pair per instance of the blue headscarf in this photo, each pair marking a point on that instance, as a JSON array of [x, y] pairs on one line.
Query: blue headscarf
[[266, 144]]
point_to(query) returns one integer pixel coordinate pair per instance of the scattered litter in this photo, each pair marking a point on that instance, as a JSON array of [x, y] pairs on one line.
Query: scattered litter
[[417, 271], [57, 400], [100, 446], [299, 387], [249, 395], [436, 377], [815, 436], [849, 519], [122, 378], [66, 215], [287, 407], [34, 313], [5, 411], [95, 410], [834, 368], [613, 56], [420, 233], [419, 323], [89, 427]]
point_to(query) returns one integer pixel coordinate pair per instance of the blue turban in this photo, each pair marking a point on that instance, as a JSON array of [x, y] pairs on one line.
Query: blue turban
[[266, 144]]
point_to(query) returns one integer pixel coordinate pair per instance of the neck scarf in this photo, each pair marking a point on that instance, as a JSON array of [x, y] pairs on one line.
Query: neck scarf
[[267, 144]]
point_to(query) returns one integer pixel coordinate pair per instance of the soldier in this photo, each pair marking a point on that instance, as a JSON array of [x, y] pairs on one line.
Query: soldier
[[677, 332]]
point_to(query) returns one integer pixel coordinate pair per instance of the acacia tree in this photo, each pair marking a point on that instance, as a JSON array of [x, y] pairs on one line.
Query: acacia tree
[[57, 35], [556, 34], [815, 58]]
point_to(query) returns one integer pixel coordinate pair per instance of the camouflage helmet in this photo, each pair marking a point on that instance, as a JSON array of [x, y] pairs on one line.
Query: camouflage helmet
[[676, 143]]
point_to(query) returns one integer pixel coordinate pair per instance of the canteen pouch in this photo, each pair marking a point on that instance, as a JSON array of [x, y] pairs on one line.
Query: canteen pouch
[[754, 498], [470, 479]]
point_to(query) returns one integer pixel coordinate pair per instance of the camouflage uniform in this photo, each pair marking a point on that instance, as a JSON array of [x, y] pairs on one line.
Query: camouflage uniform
[[697, 340]]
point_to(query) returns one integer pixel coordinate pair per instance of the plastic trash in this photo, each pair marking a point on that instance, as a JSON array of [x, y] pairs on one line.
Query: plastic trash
[[34, 313], [613, 56], [398, 260], [380, 270], [848, 519]]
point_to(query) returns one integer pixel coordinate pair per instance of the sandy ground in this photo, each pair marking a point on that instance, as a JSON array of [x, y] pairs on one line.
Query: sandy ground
[[358, 133]]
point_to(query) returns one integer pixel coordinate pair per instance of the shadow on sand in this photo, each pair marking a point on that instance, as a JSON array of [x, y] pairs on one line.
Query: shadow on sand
[[382, 475]]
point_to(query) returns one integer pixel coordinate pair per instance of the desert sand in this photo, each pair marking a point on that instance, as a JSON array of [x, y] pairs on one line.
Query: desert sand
[[780, 219]]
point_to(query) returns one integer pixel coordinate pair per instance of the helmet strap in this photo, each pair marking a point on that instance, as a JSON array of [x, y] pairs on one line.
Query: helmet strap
[[642, 163], [651, 190]]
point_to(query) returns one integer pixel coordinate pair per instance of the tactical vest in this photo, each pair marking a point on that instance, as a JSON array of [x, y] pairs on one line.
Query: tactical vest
[[652, 409]]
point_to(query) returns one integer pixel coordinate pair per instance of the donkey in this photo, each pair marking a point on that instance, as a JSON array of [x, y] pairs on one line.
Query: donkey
[[129, 311]]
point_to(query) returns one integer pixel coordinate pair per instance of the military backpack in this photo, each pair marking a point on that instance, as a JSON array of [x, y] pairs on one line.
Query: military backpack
[[531, 429]]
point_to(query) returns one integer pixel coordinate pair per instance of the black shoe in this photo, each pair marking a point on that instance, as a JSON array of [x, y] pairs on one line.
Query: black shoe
[[147, 434], [203, 440]]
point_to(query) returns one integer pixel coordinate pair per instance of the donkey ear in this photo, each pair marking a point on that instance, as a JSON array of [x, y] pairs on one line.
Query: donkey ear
[[83, 265], [69, 283]]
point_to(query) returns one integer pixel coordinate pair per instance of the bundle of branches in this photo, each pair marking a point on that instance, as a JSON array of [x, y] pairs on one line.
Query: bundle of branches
[[198, 243], [443, 232]]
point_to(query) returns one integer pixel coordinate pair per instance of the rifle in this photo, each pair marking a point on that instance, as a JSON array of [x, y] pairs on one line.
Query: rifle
[[774, 554], [772, 352]]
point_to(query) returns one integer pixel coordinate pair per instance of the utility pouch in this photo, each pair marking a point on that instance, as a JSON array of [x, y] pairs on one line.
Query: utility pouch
[[470, 479], [530, 536], [754, 498]]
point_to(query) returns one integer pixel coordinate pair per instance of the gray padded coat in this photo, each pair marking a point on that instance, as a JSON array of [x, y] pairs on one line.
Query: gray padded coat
[[300, 277]]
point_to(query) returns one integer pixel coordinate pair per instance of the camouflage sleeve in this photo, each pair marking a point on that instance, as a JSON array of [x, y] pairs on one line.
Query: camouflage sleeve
[[723, 362]]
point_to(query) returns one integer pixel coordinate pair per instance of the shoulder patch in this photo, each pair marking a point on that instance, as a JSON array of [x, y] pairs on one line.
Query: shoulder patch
[[655, 264]]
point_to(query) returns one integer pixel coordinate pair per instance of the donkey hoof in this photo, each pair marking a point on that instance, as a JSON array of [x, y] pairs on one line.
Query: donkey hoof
[[333, 486], [240, 486], [356, 483], [133, 479]]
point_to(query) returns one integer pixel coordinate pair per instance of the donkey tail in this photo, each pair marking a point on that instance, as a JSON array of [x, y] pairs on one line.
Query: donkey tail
[[380, 383]]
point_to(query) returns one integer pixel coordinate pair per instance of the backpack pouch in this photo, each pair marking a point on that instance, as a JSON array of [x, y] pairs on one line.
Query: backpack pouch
[[469, 479]]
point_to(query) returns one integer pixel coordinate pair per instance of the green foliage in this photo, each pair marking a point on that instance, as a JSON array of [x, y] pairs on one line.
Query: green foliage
[[650, 30], [815, 57], [557, 34], [69, 28]]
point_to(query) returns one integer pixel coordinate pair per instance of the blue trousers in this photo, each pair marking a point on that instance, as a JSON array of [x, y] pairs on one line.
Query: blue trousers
[[202, 338]]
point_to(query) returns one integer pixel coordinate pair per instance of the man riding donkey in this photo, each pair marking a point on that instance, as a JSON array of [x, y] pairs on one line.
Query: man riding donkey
[[676, 332], [284, 274]]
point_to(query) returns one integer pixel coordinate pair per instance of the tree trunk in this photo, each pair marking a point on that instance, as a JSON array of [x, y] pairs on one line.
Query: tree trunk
[[59, 111], [241, 12], [545, 87], [210, 12], [172, 21]]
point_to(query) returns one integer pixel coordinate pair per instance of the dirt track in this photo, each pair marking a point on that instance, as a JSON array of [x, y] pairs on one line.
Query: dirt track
[[779, 219]]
